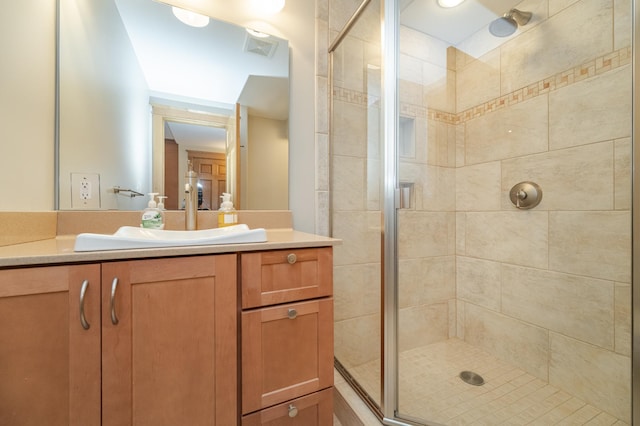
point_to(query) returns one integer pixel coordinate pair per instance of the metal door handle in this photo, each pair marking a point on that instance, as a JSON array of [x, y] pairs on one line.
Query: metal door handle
[[83, 292], [114, 287]]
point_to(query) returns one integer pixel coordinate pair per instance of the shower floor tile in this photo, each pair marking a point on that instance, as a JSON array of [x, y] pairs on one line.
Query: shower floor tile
[[430, 389]]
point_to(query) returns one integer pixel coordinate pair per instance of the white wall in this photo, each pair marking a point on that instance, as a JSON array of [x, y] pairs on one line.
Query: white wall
[[32, 121], [27, 45], [104, 90], [268, 146]]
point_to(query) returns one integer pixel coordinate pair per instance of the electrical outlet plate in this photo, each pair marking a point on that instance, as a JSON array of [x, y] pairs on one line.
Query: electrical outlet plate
[[85, 191]]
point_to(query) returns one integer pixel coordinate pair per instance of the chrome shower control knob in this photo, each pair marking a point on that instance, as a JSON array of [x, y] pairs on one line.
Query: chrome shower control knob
[[525, 195]]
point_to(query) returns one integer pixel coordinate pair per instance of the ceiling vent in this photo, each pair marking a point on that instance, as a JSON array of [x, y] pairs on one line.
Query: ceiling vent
[[260, 46]]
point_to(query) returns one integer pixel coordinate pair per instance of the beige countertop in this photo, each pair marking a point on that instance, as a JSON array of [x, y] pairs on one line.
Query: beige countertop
[[59, 249]]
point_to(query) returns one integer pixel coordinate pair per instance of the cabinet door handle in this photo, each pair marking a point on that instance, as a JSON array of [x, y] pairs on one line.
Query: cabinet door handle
[[292, 258], [293, 411], [83, 292], [114, 287], [292, 314]]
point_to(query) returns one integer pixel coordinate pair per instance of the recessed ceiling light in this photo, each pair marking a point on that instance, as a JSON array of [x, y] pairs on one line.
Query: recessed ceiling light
[[190, 18], [256, 33], [449, 3]]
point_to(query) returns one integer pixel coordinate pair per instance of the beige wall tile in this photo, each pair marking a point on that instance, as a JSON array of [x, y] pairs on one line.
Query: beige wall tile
[[439, 88], [357, 290], [468, 73], [558, 44], [349, 135], [348, 183], [571, 179], [460, 319], [478, 187], [426, 281], [622, 176], [519, 343], [322, 162], [557, 5], [461, 226], [518, 237], [512, 131], [622, 23], [460, 131], [360, 233], [426, 234], [441, 143], [623, 319], [600, 377], [348, 64], [595, 244], [357, 340], [593, 110], [433, 186], [322, 105], [411, 92], [575, 306], [422, 325], [478, 282]]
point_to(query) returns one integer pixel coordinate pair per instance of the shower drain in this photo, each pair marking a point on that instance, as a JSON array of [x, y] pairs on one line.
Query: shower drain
[[472, 378]]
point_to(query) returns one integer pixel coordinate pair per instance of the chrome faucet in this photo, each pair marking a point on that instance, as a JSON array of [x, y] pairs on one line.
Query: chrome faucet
[[191, 203]]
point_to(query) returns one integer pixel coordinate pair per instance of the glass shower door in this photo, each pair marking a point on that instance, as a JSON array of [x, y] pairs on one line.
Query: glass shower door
[[356, 202], [510, 312]]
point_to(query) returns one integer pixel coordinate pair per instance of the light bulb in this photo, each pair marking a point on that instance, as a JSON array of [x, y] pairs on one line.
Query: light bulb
[[449, 3], [190, 18]]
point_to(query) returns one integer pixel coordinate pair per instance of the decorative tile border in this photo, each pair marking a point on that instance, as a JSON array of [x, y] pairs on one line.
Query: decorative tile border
[[597, 66]]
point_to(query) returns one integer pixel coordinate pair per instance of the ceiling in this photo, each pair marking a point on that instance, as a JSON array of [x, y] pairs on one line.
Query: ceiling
[[452, 25]]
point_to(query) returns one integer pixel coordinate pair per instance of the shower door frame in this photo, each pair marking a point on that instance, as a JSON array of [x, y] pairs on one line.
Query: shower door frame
[[635, 216], [391, 203]]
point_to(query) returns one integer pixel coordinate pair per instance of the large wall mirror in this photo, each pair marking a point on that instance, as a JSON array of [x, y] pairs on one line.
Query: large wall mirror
[[140, 93]]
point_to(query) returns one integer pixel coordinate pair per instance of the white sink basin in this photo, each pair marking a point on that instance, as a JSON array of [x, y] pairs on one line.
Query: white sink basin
[[131, 237]]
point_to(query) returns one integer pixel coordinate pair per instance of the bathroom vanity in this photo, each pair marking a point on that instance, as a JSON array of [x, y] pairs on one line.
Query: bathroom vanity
[[208, 335]]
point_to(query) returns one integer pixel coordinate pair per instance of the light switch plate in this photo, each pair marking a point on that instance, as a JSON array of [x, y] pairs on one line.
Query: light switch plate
[[85, 191]]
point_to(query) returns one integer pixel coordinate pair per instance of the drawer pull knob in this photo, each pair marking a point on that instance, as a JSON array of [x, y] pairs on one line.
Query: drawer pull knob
[[83, 292], [292, 258], [292, 314], [293, 411]]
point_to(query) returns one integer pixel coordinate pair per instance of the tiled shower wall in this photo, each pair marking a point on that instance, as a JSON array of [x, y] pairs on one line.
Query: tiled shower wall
[[546, 289]]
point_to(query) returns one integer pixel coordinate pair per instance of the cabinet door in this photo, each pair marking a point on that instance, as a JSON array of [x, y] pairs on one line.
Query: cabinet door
[[280, 276], [169, 342], [287, 352], [311, 410], [49, 362]]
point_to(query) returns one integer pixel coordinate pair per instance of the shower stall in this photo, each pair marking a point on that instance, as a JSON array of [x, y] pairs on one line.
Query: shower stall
[[481, 181]]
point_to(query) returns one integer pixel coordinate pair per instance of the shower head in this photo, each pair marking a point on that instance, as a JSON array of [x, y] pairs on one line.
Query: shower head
[[508, 23]]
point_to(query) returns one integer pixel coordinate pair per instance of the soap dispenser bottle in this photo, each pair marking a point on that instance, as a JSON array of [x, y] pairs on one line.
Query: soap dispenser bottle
[[152, 217], [227, 215]]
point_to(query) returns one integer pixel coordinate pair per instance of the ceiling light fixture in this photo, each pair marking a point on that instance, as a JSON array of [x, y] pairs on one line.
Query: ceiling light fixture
[[449, 3], [267, 7], [190, 18]]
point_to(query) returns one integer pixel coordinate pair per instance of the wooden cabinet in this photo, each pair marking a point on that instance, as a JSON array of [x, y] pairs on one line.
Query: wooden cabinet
[[309, 410], [161, 347], [169, 351], [49, 362], [155, 341], [287, 336]]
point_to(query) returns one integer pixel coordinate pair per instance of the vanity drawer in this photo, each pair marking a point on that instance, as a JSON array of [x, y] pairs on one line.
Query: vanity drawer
[[311, 410], [281, 276], [287, 352]]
